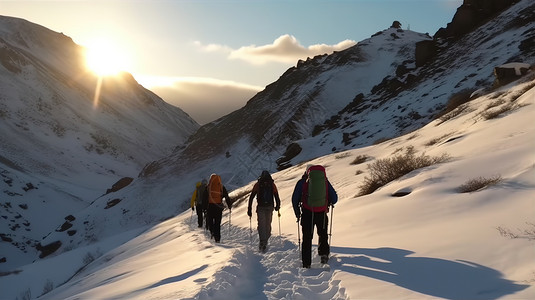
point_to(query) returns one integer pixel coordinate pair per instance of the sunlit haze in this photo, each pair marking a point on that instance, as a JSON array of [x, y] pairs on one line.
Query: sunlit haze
[[104, 57], [241, 43]]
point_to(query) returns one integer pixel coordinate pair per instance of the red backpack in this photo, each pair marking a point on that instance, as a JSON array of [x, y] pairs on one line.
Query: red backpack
[[315, 190]]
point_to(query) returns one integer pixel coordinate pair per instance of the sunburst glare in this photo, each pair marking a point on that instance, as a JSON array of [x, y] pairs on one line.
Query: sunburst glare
[[105, 58]]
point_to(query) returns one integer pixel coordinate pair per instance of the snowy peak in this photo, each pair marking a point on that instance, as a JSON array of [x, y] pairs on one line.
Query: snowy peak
[[50, 98], [302, 98], [66, 135], [32, 42]]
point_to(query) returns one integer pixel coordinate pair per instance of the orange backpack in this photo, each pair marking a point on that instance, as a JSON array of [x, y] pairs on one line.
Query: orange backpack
[[215, 188]]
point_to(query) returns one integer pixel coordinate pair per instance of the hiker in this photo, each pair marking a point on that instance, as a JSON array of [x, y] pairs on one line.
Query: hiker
[[264, 190], [216, 192], [197, 200], [311, 198]]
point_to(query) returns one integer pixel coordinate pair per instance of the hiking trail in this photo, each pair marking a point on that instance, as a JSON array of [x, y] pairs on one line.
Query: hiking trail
[[276, 274]]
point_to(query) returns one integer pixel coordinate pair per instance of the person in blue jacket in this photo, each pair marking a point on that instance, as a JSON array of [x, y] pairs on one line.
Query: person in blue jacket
[[310, 219]]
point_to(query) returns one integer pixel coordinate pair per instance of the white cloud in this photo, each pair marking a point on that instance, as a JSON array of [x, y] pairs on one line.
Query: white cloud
[[285, 49], [213, 47]]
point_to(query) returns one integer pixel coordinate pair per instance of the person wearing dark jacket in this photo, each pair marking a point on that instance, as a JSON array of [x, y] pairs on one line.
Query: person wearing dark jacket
[[216, 192], [197, 200], [310, 219], [265, 191]]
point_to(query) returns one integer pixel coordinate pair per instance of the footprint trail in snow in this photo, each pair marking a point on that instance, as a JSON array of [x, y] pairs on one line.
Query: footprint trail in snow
[[276, 274]]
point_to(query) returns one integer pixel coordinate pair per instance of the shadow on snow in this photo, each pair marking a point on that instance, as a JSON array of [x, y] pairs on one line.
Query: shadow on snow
[[431, 276]]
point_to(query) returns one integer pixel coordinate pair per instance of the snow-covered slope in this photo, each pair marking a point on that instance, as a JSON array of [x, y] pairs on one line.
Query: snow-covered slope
[[384, 246], [66, 136], [238, 151], [417, 237]]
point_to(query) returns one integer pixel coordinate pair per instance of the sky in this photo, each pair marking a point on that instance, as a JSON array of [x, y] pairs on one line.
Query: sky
[[221, 53]]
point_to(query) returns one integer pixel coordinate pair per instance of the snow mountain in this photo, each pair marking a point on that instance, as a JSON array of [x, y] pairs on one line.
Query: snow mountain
[[66, 135], [390, 84], [460, 229], [415, 237]]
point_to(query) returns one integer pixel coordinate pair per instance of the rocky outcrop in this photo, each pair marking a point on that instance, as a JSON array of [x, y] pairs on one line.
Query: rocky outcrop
[[470, 15], [509, 72]]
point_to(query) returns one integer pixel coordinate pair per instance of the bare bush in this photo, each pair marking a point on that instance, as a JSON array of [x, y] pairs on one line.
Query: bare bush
[[25, 295], [359, 160], [494, 113], [386, 170], [456, 105], [49, 286], [438, 139], [342, 155], [495, 103], [478, 183], [88, 258], [526, 233]]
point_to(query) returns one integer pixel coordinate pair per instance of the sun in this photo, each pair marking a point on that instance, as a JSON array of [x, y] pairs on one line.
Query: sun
[[106, 58]]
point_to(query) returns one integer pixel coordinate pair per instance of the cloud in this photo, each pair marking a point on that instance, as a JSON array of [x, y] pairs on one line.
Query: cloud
[[204, 99], [285, 49]]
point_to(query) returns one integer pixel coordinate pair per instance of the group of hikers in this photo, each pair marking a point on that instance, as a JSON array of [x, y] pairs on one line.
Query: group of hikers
[[312, 197]]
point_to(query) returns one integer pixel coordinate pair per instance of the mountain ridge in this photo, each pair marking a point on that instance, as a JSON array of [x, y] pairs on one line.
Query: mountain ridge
[[68, 135]]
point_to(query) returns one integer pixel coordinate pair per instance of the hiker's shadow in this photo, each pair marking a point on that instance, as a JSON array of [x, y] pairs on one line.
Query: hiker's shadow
[[430, 276]]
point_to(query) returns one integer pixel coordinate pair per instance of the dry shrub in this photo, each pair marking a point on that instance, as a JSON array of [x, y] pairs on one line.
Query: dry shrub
[[438, 139], [359, 160], [478, 183], [492, 114], [385, 170], [342, 155], [455, 106], [526, 233]]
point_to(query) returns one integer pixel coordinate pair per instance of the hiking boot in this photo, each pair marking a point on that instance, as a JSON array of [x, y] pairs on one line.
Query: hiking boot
[[306, 266], [324, 259]]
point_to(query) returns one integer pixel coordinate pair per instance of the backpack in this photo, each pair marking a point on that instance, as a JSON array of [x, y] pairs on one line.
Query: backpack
[[201, 189], [315, 189], [214, 189], [265, 190]]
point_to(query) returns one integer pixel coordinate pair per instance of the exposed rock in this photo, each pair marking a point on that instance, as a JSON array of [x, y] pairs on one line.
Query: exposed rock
[[425, 50], [48, 249], [291, 151], [112, 203], [123, 182], [64, 226], [471, 14], [509, 72], [396, 24]]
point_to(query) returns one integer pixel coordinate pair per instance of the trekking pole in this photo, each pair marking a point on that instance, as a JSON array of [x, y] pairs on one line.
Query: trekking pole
[[331, 226], [191, 216], [250, 231], [298, 235], [280, 237], [229, 217], [279, 213]]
